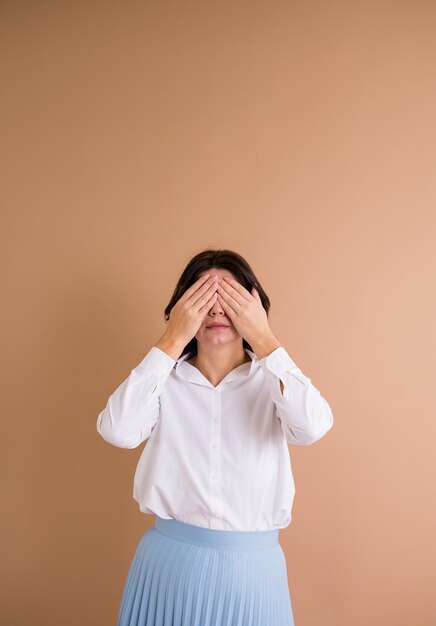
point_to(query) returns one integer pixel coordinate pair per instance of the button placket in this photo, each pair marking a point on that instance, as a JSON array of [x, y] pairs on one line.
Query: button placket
[[214, 452]]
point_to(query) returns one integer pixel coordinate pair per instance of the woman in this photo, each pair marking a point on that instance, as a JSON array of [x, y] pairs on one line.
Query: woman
[[218, 398]]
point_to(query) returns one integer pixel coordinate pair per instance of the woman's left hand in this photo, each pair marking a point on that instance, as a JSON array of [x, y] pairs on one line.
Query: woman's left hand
[[244, 309]]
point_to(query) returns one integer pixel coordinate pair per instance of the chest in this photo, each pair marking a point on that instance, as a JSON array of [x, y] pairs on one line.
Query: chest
[[203, 419]]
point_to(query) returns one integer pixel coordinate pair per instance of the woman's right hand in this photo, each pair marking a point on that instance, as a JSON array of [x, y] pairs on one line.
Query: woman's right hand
[[189, 311]]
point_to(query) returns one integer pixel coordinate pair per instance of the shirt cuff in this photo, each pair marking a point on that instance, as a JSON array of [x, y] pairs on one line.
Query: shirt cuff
[[278, 362], [156, 362]]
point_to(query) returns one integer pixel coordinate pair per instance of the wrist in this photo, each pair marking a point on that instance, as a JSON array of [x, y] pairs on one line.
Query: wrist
[[173, 346], [263, 346]]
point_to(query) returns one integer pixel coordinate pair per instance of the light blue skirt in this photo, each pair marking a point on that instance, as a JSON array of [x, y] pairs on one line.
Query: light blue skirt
[[186, 575]]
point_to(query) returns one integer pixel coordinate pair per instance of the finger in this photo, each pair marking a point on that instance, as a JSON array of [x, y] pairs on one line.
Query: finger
[[209, 304], [234, 286], [229, 298], [193, 288], [204, 297], [200, 291], [227, 308], [256, 294]]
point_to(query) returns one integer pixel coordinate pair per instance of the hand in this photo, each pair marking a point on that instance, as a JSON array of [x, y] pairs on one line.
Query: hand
[[189, 311], [244, 309]]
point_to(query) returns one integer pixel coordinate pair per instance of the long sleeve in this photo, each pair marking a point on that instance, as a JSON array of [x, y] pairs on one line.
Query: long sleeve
[[133, 408], [304, 414]]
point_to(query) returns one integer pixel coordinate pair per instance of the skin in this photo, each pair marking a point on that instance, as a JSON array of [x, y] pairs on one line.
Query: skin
[[220, 351]]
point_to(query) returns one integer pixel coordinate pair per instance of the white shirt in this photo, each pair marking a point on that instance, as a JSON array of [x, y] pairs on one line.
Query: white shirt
[[216, 457]]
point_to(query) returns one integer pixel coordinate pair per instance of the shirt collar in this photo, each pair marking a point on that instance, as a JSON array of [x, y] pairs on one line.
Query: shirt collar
[[187, 371]]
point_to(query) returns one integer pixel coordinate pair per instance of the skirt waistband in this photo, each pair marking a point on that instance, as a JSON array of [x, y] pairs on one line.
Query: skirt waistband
[[213, 537]]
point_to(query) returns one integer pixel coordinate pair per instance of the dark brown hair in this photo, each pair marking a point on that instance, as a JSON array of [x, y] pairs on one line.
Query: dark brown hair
[[224, 259]]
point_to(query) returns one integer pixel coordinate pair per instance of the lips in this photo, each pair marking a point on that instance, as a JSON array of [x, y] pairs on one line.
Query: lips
[[217, 326]]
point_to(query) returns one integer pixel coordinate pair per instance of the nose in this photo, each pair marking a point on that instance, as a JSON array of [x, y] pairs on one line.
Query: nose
[[216, 308]]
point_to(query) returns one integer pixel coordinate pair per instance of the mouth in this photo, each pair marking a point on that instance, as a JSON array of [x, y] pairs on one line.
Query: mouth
[[217, 326]]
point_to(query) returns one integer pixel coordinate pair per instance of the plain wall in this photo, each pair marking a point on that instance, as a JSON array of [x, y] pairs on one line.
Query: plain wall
[[300, 134]]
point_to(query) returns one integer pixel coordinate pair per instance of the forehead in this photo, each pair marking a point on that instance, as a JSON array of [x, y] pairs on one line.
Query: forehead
[[218, 271]]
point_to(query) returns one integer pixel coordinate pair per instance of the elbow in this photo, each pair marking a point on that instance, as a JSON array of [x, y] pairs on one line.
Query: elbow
[[322, 428], [303, 438], [114, 436], [310, 433]]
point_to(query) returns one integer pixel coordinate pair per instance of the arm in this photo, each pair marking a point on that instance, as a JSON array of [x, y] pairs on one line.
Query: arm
[[304, 414], [133, 408]]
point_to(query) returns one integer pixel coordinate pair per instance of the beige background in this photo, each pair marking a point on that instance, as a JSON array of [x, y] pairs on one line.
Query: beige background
[[300, 134]]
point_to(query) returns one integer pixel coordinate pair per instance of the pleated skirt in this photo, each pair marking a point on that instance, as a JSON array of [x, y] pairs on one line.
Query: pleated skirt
[[186, 575]]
